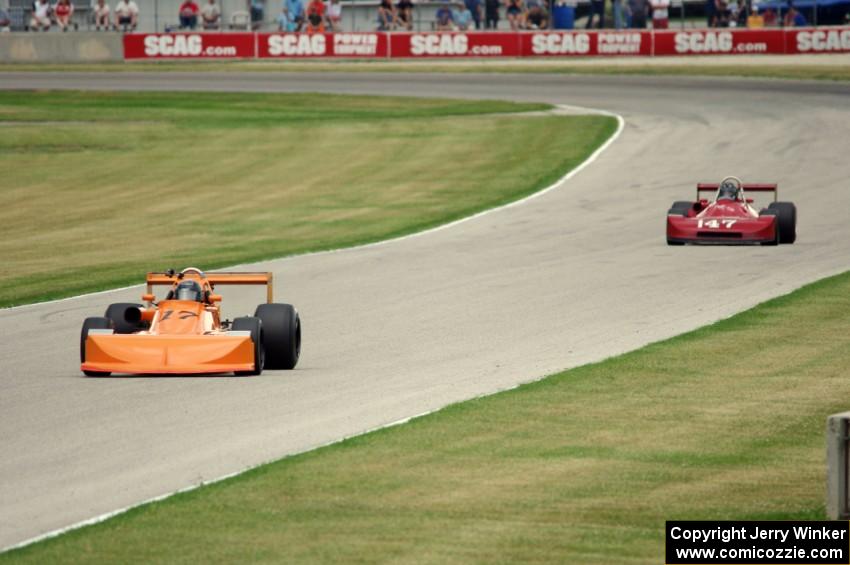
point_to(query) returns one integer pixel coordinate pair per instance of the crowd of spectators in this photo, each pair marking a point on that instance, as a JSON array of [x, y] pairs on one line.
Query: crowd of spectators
[[731, 13]]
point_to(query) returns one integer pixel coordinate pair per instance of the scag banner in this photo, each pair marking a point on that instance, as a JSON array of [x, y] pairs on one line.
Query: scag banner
[[189, 45], [719, 42], [301, 45], [818, 40], [437, 44], [570, 43]]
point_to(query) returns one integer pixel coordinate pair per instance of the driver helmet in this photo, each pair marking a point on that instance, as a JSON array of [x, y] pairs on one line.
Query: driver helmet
[[188, 290], [729, 190]]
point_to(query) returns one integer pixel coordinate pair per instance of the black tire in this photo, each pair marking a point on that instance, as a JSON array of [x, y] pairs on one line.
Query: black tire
[[282, 335], [680, 208], [255, 326], [93, 324], [787, 219], [115, 312], [772, 212]]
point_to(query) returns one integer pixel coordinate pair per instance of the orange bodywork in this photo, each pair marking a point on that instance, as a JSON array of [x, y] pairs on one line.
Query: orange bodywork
[[183, 336]]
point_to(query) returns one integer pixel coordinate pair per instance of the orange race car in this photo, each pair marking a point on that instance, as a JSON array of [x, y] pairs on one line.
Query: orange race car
[[184, 332]]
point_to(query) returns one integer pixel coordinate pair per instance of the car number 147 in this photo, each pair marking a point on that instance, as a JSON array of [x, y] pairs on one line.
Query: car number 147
[[715, 223]]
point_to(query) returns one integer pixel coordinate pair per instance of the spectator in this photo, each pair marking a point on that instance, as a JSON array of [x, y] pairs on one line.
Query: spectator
[[63, 11], [126, 15], [755, 20], [101, 15], [189, 14], [463, 17], [445, 18], [710, 13], [536, 17], [474, 7], [257, 9], [291, 16], [211, 15], [597, 8], [316, 16], [405, 14], [660, 14], [515, 13], [793, 18], [619, 17], [637, 9], [335, 15], [491, 14], [387, 16], [40, 15], [5, 21], [721, 13], [770, 19]]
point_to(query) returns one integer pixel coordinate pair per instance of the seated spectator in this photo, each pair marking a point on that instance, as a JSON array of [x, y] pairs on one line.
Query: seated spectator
[[334, 15], [316, 16], [793, 18], [755, 20], [211, 15], [536, 18], [63, 10], [387, 16], [660, 14], [637, 11], [5, 21], [462, 17], [491, 14], [40, 15], [721, 13], [291, 16], [770, 19], [444, 20], [515, 12], [257, 9], [405, 14], [101, 15], [189, 14], [126, 15]]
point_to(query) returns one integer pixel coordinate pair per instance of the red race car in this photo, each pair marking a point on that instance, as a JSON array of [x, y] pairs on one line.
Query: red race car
[[729, 218]]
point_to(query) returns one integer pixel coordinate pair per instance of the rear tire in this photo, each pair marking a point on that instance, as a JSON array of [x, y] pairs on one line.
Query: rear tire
[[282, 335], [255, 326], [115, 312], [93, 324], [786, 213]]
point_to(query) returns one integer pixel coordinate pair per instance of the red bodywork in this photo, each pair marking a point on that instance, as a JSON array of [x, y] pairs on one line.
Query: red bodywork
[[724, 221]]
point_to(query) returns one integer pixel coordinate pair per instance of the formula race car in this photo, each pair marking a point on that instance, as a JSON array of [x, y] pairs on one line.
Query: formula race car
[[184, 333], [729, 218]]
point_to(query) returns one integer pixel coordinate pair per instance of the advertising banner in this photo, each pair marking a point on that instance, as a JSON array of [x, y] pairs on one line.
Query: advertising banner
[[313, 45], [448, 44], [189, 45], [719, 42], [817, 40], [569, 43]]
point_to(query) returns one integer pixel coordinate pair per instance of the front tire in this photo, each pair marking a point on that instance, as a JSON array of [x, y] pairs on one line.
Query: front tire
[[680, 208], [95, 323], [786, 220], [255, 326], [115, 312], [282, 335]]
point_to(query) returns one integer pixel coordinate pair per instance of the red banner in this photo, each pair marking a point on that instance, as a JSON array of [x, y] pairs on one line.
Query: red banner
[[719, 42], [301, 45], [817, 40], [448, 44], [570, 43], [189, 45]]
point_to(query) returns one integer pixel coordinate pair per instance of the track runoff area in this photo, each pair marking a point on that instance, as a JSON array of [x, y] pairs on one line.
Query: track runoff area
[[757, 542]]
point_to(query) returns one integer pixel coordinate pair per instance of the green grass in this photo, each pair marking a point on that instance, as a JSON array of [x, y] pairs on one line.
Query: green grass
[[836, 72], [725, 422], [99, 188]]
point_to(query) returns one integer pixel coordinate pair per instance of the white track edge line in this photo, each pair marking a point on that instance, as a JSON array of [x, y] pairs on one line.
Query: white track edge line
[[103, 517], [570, 174]]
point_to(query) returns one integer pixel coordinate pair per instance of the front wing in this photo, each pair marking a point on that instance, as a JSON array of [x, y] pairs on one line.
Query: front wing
[[731, 231]]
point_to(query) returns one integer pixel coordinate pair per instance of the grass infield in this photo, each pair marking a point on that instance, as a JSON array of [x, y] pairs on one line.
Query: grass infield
[[100, 187], [797, 71], [726, 422]]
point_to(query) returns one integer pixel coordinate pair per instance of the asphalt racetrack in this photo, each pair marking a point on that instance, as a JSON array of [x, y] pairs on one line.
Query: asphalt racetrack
[[576, 275]]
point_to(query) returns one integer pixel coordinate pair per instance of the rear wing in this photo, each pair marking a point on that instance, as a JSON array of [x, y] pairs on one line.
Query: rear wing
[[748, 187], [267, 279]]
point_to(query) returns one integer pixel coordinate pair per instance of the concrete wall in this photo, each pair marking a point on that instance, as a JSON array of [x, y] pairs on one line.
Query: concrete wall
[[71, 47]]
